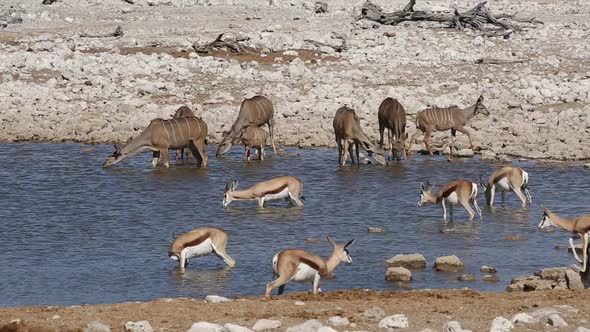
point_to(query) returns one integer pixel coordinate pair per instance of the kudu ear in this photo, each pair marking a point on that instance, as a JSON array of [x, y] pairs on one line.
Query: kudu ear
[[349, 243], [480, 99], [330, 241]]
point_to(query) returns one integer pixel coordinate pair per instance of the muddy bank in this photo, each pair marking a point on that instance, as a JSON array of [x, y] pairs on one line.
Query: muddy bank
[[57, 83]]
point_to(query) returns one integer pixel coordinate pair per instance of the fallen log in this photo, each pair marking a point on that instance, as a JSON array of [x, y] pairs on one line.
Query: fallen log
[[232, 46], [118, 33]]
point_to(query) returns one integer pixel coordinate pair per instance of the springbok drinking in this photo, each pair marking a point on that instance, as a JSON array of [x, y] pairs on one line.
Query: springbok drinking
[[508, 178], [200, 242], [301, 266], [460, 191], [288, 188], [579, 225]]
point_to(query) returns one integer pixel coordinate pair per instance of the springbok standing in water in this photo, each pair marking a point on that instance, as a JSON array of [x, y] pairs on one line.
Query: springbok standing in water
[[453, 118], [392, 116], [182, 112], [256, 112], [200, 242], [460, 191], [508, 178], [347, 128], [288, 188], [580, 225], [162, 135], [301, 266], [254, 137]]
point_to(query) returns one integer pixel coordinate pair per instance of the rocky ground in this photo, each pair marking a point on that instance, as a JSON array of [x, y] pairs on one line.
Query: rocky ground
[[59, 81], [357, 310]]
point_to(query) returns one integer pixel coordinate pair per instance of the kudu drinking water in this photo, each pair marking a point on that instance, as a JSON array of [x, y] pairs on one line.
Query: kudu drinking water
[[347, 128], [256, 112], [453, 118], [254, 137], [161, 135], [182, 112], [393, 117]]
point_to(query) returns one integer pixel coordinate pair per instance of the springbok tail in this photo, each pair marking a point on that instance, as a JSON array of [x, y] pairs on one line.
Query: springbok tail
[[525, 186]]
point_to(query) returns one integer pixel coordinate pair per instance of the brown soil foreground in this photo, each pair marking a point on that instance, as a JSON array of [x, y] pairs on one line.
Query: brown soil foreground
[[426, 309]]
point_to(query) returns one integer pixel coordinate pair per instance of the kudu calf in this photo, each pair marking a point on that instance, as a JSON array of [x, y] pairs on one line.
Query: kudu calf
[[453, 118], [162, 135], [393, 117], [182, 112], [347, 128], [256, 112], [254, 137]]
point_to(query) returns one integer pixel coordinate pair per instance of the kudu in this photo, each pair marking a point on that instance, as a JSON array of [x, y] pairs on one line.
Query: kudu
[[288, 188], [453, 118], [301, 266], [161, 135], [392, 116], [199, 242], [580, 225], [256, 112], [254, 137], [460, 191], [347, 128], [508, 178], [182, 112]]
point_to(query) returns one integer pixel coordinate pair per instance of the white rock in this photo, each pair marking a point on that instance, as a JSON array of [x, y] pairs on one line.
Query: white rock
[[453, 326], [235, 328], [555, 320], [582, 329], [326, 329], [54, 317], [141, 326], [338, 321], [374, 313], [310, 325], [524, 318], [465, 153], [478, 41], [587, 166], [216, 299], [266, 324], [205, 327], [399, 321], [97, 327], [299, 303], [398, 274], [501, 324]]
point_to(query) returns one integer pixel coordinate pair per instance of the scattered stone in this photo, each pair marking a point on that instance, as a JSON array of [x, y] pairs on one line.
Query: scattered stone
[[454, 326], [582, 329], [487, 269], [326, 329], [141, 326], [267, 324], [574, 280], [55, 317], [299, 303], [552, 273], [374, 313], [375, 230], [410, 261], [531, 283], [501, 324], [97, 327], [490, 278], [205, 327], [587, 166], [555, 320], [338, 321], [448, 264], [321, 7], [398, 274], [235, 328], [310, 325], [216, 299], [466, 277], [394, 322], [464, 153], [524, 318]]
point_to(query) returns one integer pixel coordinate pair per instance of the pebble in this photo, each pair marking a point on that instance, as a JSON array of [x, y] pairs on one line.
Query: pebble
[[487, 269], [398, 274], [310, 325], [448, 264], [205, 327], [267, 324], [375, 230], [501, 324], [490, 278], [409, 261], [453, 326], [216, 299], [235, 328], [466, 277], [524, 318], [338, 321], [141, 326], [299, 303], [374, 313], [97, 327], [394, 322], [555, 320]]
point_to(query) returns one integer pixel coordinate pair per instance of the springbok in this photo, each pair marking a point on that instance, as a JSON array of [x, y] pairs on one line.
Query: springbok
[[288, 188], [161, 135], [256, 112], [254, 137], [393, 117], [580, 225], [347, 128], [200, 242], [182, 112], [453, 118], [460, 191], [508, 178], [301, 266]]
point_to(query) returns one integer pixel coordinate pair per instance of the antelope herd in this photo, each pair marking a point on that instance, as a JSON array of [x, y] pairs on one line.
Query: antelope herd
[[185, 130]]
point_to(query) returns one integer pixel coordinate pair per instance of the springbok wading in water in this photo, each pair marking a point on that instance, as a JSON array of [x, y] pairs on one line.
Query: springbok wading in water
[[460, 191], [162, 135], [256, 112], [200, 242], [440, 119], [301, 266], [254, 137], [288, 188], [348, 132], [508, 178], [579, 225], [393, 117], [182, 112]]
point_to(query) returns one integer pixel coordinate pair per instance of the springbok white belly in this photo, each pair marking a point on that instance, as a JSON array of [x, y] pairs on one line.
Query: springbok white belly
[[304, 273], [503, 185], [202, 249], [280, 195], [452, 199]]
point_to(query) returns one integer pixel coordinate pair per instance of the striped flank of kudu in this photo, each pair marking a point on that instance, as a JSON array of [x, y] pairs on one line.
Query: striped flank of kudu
[[440, 119], [182, 112], [392, 116], [162, 135], [348, 132]]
